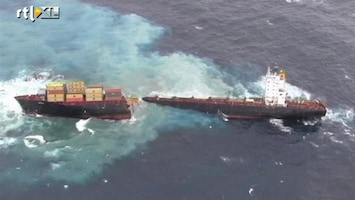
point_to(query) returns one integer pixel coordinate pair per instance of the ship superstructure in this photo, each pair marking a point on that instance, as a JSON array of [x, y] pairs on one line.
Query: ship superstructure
[[275, 88]]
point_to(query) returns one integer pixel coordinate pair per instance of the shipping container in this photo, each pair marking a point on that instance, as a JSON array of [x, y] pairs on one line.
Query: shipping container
[[55, 99], [96, 86], [81, 89], [94, 99], [113, 95], [56, 84], [55, 88], [76, 83], [113, 98], [55, 96], [116, 90], [93, 90], [132, 101], [76, 91], [94, 96], [75, 96], [55, 91], [76, 88], [74, 100]]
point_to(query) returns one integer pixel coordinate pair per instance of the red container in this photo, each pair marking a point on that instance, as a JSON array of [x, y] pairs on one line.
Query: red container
[[116, 90], [113, 98], [74, 100], [55, 91], [95, 86], [113, 93]]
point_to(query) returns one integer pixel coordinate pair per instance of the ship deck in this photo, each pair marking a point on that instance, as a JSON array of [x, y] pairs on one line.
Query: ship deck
[[257, 102], [39, 99]]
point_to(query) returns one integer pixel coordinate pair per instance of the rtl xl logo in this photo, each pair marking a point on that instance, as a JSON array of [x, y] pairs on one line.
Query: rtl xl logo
[[43, 12]]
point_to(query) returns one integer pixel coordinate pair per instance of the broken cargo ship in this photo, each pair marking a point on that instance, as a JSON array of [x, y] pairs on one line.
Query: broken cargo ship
[[275, 104], [75, 100]]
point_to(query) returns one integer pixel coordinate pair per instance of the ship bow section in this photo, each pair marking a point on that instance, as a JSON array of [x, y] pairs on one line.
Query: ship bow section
[[114, 110]]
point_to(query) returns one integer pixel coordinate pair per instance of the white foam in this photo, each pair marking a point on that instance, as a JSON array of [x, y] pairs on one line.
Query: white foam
[[306, 2], [269, 23], [55, 153], [5, 142], [25, 83], [333, 139], [279, 124], [91, 131], [343, 116], [310, 122], [328, 133], [225, 159], [81, 124], [278, 163], [55, 166], [33, 141], [314, 144], [251, 190], [133, 120], [349, 132], [293, 1], [350, 114]]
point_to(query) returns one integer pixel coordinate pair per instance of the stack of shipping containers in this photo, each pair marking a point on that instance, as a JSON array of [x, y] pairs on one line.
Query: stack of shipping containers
[[113, 94], [55, 92], [76, 91], [94, 93]]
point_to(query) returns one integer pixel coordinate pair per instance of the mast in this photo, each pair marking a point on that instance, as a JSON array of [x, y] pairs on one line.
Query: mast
[[275, 87]]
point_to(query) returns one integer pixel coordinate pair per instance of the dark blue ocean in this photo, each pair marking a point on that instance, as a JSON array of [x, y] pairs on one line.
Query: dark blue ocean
[[179, 48]]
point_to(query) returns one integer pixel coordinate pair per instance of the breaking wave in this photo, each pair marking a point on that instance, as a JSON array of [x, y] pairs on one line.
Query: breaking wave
[[341, 115], [343, 118], [81, 125], [278, 123], [24, 83], [307, 2], [32, 141]]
